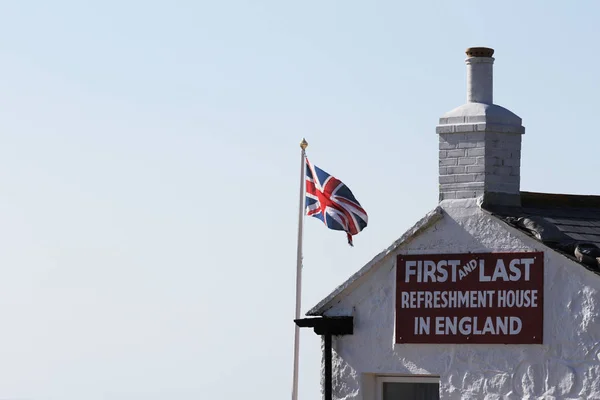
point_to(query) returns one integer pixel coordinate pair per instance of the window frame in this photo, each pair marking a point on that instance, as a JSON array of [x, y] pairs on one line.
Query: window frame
[[380, 380]]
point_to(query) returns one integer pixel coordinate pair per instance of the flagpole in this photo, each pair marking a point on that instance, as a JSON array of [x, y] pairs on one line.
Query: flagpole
[[303, 146]]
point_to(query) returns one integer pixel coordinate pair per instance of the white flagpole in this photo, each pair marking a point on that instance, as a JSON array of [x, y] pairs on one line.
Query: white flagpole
[[303, 146]]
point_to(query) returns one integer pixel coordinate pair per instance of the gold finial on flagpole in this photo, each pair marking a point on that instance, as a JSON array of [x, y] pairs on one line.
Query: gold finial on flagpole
[[303, 144]]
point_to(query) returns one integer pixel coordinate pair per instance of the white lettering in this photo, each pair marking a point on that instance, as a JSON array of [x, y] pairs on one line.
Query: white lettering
[[451, 325], [439, 325], [454, 264], [464, 326], [424, 325], [429, 271], [405, 298], [476, 331], [500, 271], [488, 327], [473, 302], [441, 268], [408, 271], [471, 326], [490, 297], [501, 325], [482, 276], [481, 299], [452, 299], [527, 298], [515, 271], [502, 298], [472, 265], [515, 325], [510, 298], [428, 300], [463, 299], [420, 298], [527, 263]]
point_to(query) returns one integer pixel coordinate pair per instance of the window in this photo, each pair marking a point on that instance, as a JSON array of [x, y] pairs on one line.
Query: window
[[408, 388]]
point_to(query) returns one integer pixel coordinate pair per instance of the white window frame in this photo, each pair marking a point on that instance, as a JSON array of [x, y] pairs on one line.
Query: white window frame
[[402, 379]]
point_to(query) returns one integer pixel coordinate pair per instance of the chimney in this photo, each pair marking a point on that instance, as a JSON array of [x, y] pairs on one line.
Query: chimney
[[480, 75], [480, 142]]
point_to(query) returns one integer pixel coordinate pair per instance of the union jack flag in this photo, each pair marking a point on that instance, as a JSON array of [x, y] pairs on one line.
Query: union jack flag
[[329, 200]]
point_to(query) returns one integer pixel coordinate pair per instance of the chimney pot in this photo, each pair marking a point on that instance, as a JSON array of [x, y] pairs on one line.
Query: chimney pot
[[479, 52], [480, 75]]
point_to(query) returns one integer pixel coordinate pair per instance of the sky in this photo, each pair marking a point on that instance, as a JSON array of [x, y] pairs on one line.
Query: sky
[[150, 164]]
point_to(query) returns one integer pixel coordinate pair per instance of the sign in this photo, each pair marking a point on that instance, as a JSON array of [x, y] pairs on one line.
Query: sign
[[470, 298]]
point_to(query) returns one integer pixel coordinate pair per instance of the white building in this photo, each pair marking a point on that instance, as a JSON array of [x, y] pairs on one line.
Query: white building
[[441, 314]]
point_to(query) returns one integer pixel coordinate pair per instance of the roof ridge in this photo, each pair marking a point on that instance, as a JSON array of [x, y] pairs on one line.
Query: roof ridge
[[538, 199]]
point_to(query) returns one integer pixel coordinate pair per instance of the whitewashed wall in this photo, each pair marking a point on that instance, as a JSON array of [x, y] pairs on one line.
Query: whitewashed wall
[[566, 366]]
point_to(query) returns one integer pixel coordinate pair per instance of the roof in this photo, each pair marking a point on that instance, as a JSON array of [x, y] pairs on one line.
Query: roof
[[431, 218], [569, 224]]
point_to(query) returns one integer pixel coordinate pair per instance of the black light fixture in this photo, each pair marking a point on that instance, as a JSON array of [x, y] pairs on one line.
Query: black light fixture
[[328, 327]]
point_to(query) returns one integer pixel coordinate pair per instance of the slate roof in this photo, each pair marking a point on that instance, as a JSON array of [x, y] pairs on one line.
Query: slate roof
[[563, 222]]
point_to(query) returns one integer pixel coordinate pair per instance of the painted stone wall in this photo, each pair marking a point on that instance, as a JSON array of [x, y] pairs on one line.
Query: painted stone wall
[[566, 366]]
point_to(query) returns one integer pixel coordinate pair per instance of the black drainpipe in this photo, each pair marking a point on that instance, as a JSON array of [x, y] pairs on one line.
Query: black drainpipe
[[328, 327]]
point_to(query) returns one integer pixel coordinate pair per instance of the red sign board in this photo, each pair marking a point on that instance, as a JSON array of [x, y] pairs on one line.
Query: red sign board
[[470, 298]]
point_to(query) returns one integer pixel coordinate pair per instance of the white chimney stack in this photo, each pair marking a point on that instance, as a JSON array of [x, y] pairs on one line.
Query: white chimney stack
[[480, 75], [480, 142]]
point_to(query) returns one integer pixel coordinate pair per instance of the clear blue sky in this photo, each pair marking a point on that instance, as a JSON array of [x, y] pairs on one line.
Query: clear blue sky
[[149, 168]]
